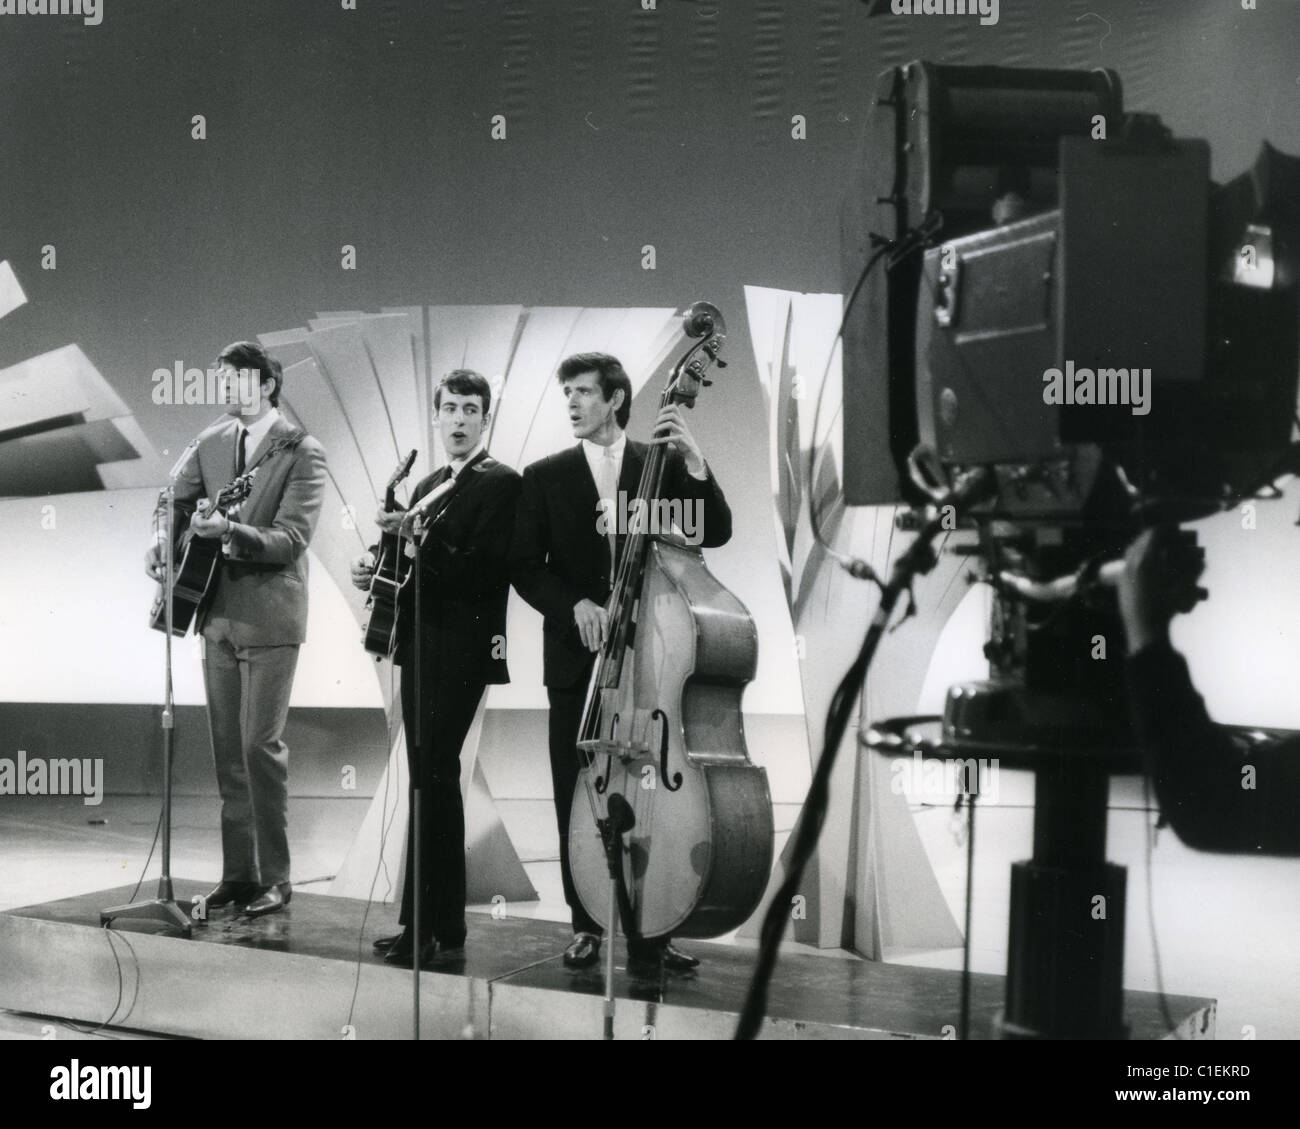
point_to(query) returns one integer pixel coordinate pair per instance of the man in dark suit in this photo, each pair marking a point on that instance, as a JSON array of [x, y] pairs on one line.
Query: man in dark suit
[[256, 617], [465, 512], [563, 560]]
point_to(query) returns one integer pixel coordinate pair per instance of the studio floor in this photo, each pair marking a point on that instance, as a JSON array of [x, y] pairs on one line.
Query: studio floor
[[1222, 925]]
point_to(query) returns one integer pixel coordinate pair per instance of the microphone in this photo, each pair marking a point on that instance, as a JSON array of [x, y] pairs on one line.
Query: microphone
[[186, 455], [193, 443], [429, 500]]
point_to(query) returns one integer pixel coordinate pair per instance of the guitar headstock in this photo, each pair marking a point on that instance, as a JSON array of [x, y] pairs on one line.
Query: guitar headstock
[[403, 469]]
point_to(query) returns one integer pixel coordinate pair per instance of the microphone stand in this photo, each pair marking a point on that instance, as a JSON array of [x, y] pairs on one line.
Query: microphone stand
[[419, 528], [417, 735], [414, 831], [619, 820], [163, 908]]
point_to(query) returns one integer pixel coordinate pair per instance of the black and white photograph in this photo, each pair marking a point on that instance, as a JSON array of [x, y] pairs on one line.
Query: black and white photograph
[[650, 520]]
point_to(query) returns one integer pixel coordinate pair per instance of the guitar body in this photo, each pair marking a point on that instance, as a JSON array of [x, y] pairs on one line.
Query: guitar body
[[392, 567], [391, 572], [195, 563], [194, 572], [671, 742]]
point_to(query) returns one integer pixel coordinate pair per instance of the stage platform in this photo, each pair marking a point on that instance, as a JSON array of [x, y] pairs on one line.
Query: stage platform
[[309, 973]]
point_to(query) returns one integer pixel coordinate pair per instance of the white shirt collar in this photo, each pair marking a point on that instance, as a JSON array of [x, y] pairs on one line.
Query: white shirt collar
[[457, 465], [258, 431], [595, 452]]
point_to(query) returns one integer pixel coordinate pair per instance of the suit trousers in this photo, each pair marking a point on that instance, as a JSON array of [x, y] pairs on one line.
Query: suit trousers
[[447, 711], [565, 718], [248, 704]]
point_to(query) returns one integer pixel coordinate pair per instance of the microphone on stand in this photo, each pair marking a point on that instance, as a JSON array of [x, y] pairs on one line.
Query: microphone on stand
[[186, 455], [191, 447], [417, 511]]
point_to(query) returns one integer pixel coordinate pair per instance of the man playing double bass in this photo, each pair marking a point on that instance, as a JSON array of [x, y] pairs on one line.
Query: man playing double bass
[[564, 556]]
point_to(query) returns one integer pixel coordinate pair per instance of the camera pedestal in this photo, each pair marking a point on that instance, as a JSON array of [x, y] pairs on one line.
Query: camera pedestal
[[1065, 954], [1065, 951]]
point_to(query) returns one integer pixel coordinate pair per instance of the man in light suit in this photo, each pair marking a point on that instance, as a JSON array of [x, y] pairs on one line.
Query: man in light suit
[[563, 559], [256, 616]]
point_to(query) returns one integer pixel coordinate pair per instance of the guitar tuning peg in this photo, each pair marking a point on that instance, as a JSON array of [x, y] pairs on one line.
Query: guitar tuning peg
[[720, 363], [708, 384]]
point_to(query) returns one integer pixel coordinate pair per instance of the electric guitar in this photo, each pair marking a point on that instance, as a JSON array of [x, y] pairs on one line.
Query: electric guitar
[[196, 560], [391, 571]]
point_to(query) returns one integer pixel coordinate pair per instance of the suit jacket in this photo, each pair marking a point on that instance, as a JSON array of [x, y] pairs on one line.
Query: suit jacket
[[465, 578], [260, 591], [1197, 765], [560, 555]]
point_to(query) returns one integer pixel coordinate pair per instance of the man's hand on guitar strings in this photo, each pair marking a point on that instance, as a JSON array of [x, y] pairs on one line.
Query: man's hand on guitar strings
[[363, 570], [155, 560]]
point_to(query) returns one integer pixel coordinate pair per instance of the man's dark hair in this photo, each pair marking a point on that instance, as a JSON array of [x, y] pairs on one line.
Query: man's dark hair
[[609, 375], [464, 382], [251, 355]]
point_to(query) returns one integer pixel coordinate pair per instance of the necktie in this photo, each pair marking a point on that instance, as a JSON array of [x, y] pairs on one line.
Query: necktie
[[433, 503], [241, 452], [607, 487]]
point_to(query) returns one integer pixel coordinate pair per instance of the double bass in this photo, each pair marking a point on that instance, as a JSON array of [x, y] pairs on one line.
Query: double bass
[[668, 805]]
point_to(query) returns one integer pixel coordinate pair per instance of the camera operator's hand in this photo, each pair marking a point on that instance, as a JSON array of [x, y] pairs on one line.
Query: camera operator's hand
[[1161, 569]]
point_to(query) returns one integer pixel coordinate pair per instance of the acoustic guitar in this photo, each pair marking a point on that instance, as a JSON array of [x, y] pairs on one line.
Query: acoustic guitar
[[197, 560], [391, 571]]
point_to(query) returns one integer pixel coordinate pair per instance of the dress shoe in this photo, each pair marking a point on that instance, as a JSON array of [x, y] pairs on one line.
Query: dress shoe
[[649, 958], [401, 951], [583, 951], [231, 893], [433, 955], [677, 961], [436, 954], [270, 900], [385, 944]]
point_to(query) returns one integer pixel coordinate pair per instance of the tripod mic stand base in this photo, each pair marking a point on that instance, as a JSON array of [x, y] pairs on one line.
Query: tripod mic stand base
[[163, 910]]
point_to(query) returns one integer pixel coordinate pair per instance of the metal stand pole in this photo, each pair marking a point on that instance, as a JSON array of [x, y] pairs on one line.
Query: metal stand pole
[[611, 935], [417, 735], [163, 908]]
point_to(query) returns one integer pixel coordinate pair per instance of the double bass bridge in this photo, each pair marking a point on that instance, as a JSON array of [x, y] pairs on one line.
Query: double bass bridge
[[625, 751], [629, 752]]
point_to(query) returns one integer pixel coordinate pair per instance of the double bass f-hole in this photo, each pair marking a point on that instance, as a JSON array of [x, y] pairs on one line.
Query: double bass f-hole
[[602, 782], [676, 781]]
